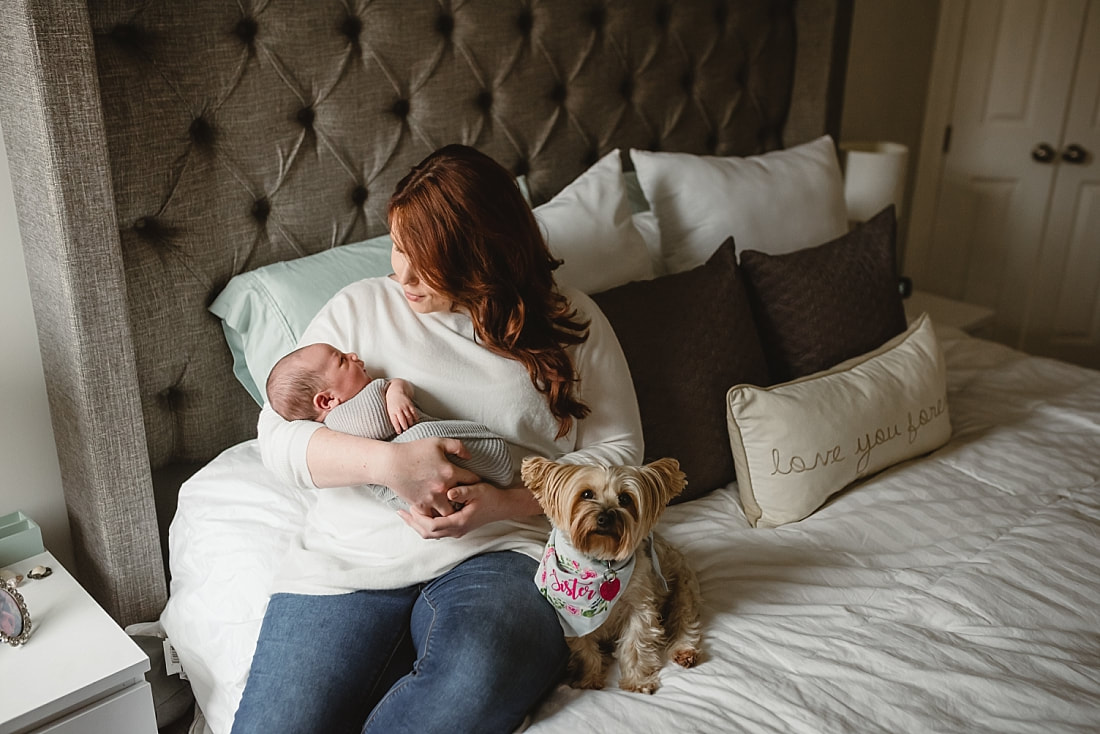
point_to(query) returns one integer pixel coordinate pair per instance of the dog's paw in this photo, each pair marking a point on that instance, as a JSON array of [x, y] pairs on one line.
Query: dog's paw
[[589, 683], [644, 685], [687, 658]]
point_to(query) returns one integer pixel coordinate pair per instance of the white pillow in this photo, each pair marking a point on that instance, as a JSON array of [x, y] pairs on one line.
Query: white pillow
[[589, 226], [776, 203], [796, 444]]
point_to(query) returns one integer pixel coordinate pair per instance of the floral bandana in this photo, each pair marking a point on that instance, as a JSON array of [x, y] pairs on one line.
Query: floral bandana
[[581, 589]]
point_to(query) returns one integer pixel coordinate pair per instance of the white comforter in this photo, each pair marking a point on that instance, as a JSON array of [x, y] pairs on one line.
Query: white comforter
[[958, 592]]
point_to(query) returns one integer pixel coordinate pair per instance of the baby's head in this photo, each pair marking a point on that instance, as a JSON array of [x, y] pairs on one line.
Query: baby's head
[[312, 380]]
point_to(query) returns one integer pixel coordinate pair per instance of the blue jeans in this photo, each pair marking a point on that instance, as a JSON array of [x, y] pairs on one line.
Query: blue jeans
[[472, 651]]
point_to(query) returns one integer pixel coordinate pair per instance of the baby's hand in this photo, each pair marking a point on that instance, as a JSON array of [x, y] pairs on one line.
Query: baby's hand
[[400, 407]]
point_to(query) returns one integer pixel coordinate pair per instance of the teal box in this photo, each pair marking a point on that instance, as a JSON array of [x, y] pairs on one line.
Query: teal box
[[20, 537]]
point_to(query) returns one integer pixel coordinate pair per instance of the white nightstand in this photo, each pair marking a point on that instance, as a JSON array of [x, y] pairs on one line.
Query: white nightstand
[[79, 673], [948, 312]]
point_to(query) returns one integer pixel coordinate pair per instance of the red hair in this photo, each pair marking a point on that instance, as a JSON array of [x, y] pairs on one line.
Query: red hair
[[470, 236]]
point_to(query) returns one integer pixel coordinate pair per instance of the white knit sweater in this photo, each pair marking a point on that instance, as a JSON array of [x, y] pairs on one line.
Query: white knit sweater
[[351, 540]]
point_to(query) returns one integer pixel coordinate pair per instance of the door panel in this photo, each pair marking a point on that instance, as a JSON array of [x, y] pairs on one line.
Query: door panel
[[1075, 317], [1065, 308], [1015, 72]]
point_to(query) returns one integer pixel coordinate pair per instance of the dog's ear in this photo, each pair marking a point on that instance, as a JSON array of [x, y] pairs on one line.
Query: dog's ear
[[669, 476], [534, 471]]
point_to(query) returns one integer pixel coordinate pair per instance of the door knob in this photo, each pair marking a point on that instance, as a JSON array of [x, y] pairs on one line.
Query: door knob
[[1042, 153], [1074, 154]]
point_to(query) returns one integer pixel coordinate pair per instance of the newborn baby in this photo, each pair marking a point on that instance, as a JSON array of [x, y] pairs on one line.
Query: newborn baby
[[320, 383]]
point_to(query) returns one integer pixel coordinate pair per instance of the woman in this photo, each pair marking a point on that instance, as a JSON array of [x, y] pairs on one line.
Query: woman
[[430, 620]]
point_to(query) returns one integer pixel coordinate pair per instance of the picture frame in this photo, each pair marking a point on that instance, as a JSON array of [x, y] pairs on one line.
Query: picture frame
[[15, 620]]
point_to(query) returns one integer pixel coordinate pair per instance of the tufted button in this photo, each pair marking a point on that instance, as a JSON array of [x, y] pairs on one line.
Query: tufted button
[[168, 395], [557, 94], [445, 24], [351, 26], [654, 144], [626, 88], [129, 35], [261, 208], [151, 230], [201, 131], [484, 100], [400, 108], [525, 21], [597, 16], [742, 76], [721, 14], [359, 195], [687, 79], [590, 157], [662, 15], [305, 116], [246, 30], [522, 167], [712, 143]]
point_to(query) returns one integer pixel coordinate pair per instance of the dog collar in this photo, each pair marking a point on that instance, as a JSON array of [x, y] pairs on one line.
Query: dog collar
[[582, 590]]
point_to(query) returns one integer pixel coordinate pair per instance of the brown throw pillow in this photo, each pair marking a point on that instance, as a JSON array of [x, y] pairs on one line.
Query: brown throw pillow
[[688, 338], [819, 306]]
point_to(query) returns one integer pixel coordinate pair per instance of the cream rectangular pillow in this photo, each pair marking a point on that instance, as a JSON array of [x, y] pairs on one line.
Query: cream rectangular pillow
[[797, 443]]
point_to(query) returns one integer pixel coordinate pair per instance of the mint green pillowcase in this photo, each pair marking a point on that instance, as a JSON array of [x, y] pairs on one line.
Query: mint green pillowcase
[[521, 182], [264, 311]]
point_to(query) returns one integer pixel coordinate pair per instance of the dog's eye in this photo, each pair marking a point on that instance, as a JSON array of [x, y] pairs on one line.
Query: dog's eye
[[625, 500], [588, 494]]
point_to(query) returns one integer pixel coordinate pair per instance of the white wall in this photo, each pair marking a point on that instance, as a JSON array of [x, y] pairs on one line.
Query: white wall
[[889, 62], [29, 476]]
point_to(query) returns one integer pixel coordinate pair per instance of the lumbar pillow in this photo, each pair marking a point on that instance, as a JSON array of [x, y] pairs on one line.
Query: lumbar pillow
[[589, 226], [821, 305], [776, 202], [687, 338], [798, 443]]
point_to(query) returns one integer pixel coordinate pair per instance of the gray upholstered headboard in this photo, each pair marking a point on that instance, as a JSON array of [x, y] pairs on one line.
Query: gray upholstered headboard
[[158, 148]]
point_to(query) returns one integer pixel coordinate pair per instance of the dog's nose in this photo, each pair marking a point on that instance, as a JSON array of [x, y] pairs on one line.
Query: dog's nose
[[603, 519]]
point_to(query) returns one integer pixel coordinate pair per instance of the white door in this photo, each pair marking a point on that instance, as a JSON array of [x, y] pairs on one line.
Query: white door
[[988, 224], [1064, 316]]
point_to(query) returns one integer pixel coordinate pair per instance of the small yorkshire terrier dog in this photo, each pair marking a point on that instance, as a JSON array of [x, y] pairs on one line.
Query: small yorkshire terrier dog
[[616, 586]]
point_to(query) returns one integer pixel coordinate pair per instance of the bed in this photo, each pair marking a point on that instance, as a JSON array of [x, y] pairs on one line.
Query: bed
[[181, 170]]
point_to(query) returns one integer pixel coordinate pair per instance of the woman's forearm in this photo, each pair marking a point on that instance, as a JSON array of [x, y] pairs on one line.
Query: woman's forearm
[[340, 459], [523, 503]]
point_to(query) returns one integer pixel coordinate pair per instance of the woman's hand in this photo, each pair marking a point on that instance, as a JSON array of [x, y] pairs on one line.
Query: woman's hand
[[479, 504], [421, 474], [418, 472]]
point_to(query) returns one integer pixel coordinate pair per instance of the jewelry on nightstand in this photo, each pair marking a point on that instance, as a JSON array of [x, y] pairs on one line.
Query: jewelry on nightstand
[[39, 572], [15, 621], [7, 576]]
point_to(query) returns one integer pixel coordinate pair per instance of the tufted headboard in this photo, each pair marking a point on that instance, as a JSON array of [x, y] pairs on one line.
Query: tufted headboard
[[157, 148]]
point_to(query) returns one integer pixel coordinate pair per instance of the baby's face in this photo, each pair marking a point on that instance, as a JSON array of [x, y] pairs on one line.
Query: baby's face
[[342, 372]]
